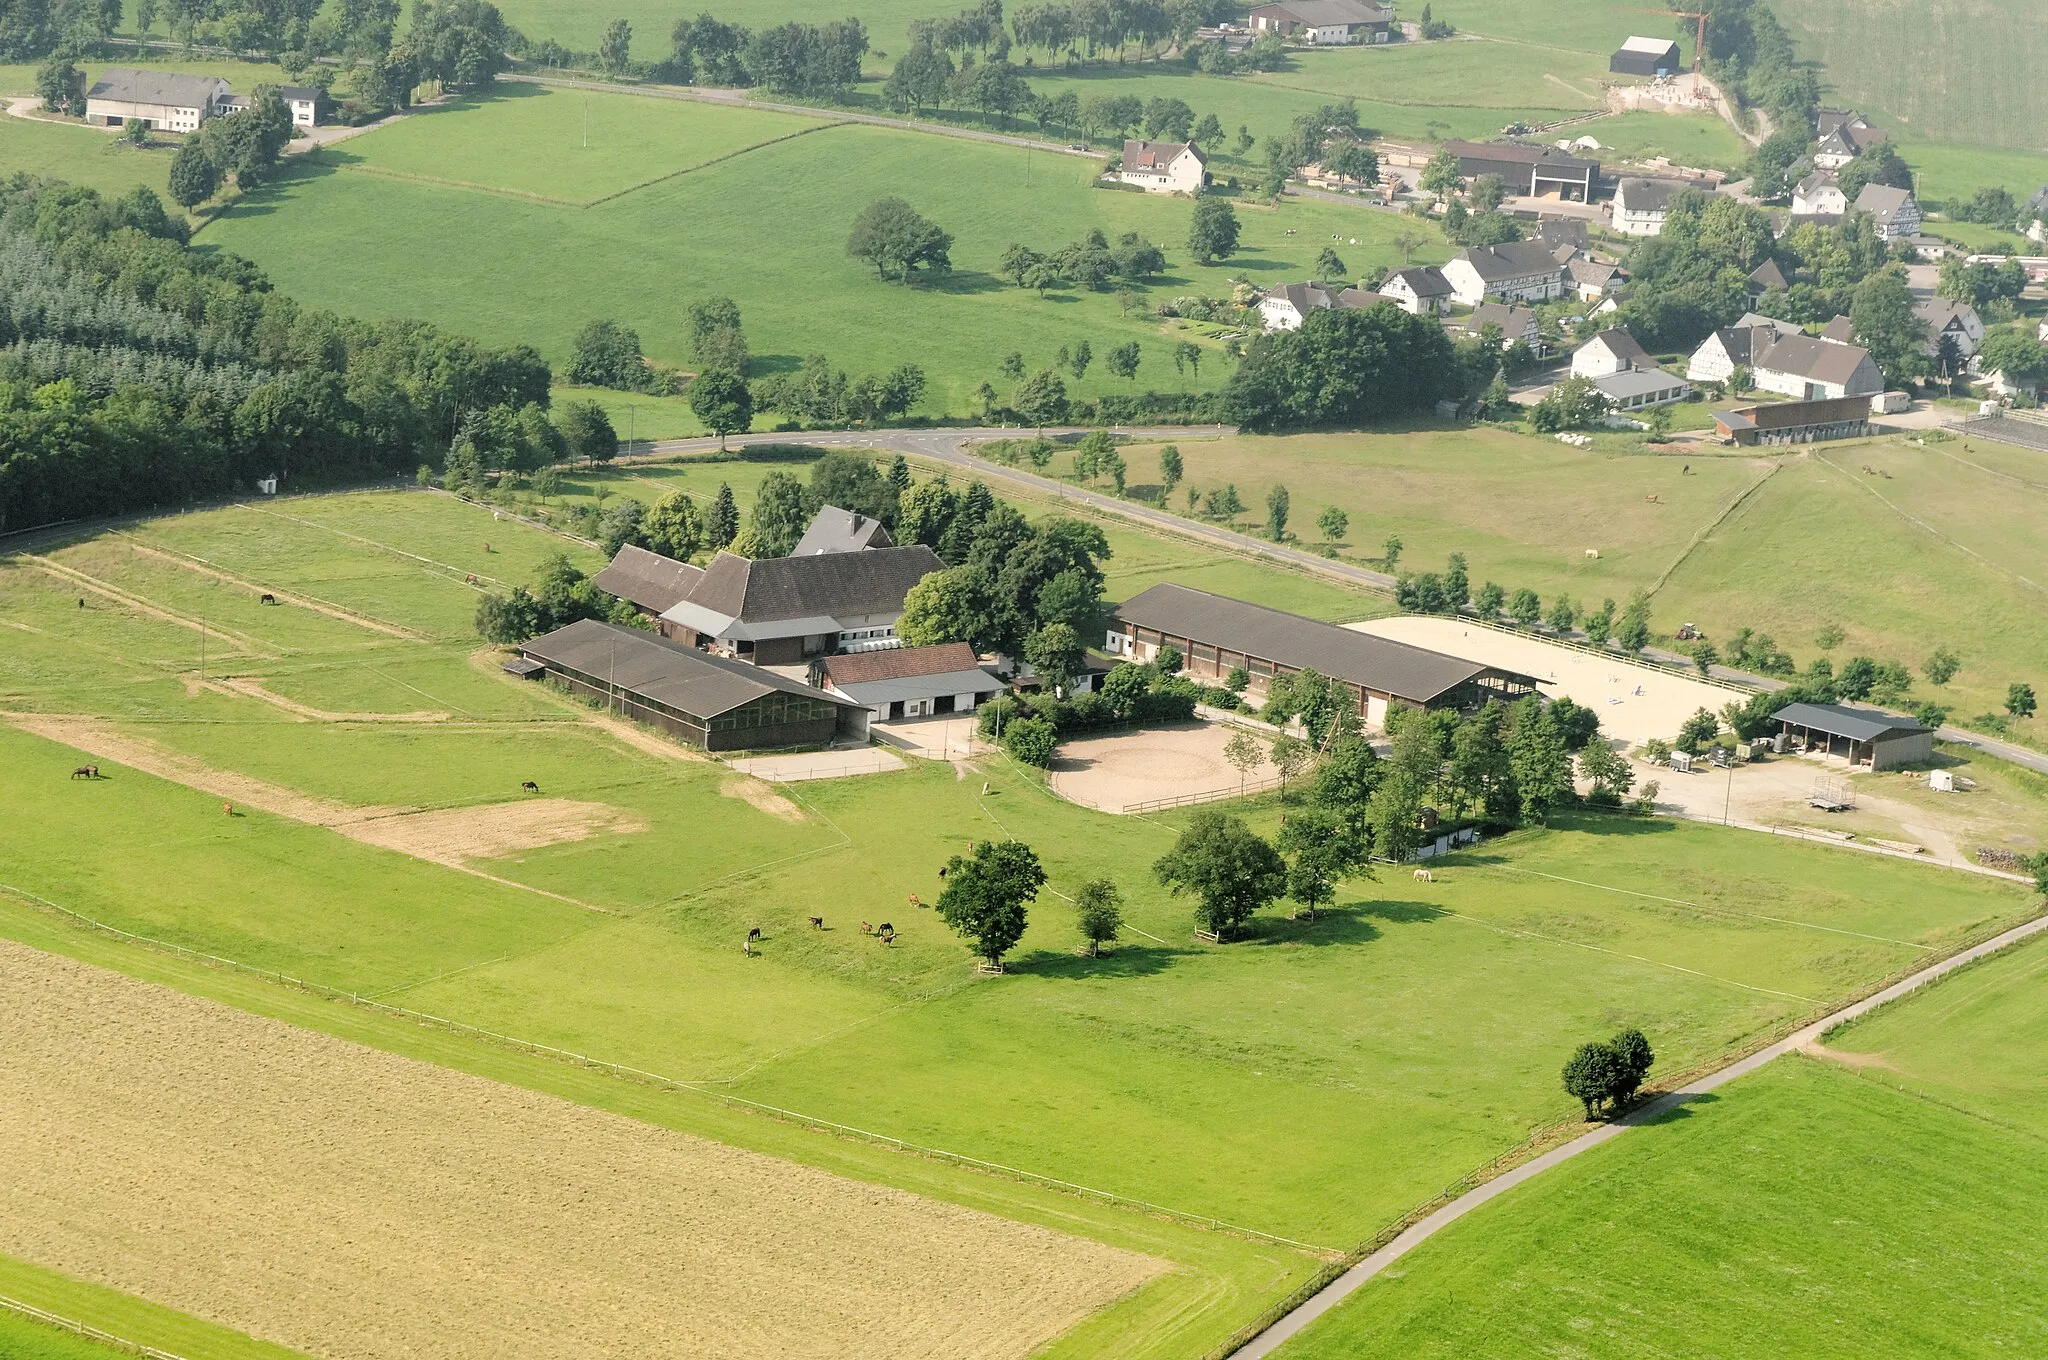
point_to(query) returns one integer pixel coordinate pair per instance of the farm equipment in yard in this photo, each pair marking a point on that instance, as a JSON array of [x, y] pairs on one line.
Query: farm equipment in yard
[[1832, 795], [1689, 633]]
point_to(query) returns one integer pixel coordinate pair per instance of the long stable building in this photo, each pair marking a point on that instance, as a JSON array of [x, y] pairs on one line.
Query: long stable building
[[708, 701], [1217, 635]]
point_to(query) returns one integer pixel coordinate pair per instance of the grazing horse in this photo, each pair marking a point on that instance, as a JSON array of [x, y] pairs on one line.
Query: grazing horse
[[86, 772], [228, 808], [913, 897], [887, 932], [1424, 876], [817, 923], [268, 598], [753, 933], [528, 786], [866, 929]]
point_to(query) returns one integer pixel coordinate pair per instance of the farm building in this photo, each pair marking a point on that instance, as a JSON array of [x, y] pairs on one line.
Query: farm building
[[1611, 351], [1736, 346], [1163, 167], [909, 682], [1646, 57], [1808, 367], [708, 701], [1844, 134], [833, 530], [1862, 736], [1641, 205], [1513, 323], [1519, 271], [782, 611], [1422, 291], [647, 580], [1217, 635], [1638, 390], [1284, 308], [1528, 170], [1795, 422], [163, 100], [1325, 22]]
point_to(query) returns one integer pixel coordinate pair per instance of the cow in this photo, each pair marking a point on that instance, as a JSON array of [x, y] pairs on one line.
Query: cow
[[528, 786], [1424, 876], [866, 929]]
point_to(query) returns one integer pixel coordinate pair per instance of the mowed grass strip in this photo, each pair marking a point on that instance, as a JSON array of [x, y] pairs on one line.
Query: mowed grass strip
[[1800, 1211], [111, 1311], [562, 146]]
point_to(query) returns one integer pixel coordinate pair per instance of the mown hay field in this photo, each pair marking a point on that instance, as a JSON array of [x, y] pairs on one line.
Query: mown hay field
[[349, 1203]]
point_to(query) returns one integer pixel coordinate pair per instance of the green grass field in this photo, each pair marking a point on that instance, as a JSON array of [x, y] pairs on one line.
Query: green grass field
[[94, 157], [1688, 139], [1804, 1210], [535, 272], [123, 1315]]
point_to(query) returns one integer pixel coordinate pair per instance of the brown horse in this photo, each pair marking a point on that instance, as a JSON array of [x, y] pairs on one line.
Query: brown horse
[[86, 772]]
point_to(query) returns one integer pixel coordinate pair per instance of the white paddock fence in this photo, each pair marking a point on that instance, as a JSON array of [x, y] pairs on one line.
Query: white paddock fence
[[85, 1329]]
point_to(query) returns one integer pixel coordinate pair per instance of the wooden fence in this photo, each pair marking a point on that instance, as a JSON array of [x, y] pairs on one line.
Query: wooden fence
[[1207, 796], [85, 1329]]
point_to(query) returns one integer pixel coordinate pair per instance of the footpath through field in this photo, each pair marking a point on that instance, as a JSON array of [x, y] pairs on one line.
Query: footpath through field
[[1266, 1342]]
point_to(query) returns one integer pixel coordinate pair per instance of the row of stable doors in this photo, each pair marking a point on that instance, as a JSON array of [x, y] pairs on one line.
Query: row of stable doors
[[924, 708]]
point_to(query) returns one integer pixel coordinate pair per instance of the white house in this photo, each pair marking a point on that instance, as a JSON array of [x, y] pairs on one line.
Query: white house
[[1284, 308], [1325, 22], [1419, 292], [304, 101], [1844, 135], [2034, 215], [1518, 271], [163, 100], [909, 682], [1163, 167], [1808, 368], [1637, 390], [1611, 351], [1956, 320], [1736, 346], [1640, 205], [1896, 211], [1819, 196]]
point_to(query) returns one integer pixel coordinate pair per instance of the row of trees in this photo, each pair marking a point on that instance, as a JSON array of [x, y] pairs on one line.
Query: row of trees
[[198, 377], [813, 61], [1090, 263]]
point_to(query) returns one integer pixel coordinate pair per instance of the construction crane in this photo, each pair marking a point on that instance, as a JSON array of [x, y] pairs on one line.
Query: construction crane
[[1699, 47]]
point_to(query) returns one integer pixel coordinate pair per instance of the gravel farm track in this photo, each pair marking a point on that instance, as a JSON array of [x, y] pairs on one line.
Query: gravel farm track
[[351, 1203]]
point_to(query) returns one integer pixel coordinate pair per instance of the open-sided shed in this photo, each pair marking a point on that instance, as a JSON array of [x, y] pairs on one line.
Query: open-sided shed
[[1863, 736]]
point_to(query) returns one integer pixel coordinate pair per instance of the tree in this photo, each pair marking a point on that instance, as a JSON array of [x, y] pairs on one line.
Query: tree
[[1242, 751], [1333, 523], [1886, 325], [615, 47], [1390, 552], [1590, 1074], [1123, 360], [1942, 666], [1634, 631], [1042, 399], [1290, 756], [673, 527], [2019, 357], [1539, 760], [1609, 770], [1697, 731], [2019, 700], [1099, 912], [1055, 652], [59, 83], [889, 233], [1208, 132], [1078, 361], [782, 510], [194, 176], [1525, 608], [1226, 867], [1212, 235], [1170, 469], [1187, 354], [587, 431], [1031, 741], [1441, 176], [624, 521], [606, 354], [722, 522], [1329, 265], [721, 399], [946, 606], [986, 894], [1325, 850]]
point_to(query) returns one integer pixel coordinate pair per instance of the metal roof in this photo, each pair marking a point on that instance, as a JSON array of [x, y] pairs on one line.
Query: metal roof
[[1636, 382], [1815, 360], [1651, 47], [874, 693], [1388, 667], [1329, 13], [682, 678], [1857, 724], [648, 579], [838, 531], [805, 589], [157, 87]]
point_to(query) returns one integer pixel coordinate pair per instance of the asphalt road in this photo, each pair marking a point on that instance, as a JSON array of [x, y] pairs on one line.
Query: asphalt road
[[1349, 1282]]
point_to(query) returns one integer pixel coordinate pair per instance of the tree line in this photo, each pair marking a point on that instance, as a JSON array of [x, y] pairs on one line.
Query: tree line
[[200, 377]]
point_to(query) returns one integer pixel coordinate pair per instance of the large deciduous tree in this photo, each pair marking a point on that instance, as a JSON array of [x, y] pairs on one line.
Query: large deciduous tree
[[986, 895], [891, 235], [1224, 865]]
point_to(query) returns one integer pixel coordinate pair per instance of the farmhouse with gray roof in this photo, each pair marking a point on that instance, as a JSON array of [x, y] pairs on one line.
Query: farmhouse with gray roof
[[164, 100], [781, 611]]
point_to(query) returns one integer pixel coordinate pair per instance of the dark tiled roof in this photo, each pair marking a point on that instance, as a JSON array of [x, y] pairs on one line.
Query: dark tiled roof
[[1645, 195], [837, 531], [898, 663], [838, 585], [1512, 260], [682, 678], [1141, 155], [1803, 356], [647, 578], [1623, 346], [1514, 322], [1857, 724], [1425, 281], [1841, 330], [1882, 201], [1412, 673], [154, 87], [1768, 275]]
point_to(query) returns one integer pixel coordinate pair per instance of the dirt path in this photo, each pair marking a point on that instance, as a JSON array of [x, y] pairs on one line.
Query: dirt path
[[251, 687], [1806, 1039], [356, 1205], [244, 644], [332, 611]]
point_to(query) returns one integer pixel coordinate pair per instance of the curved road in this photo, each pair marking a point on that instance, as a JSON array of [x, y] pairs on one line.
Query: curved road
[[1266, 1342]]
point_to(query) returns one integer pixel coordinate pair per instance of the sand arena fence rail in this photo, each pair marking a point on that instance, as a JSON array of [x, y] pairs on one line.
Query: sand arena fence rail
[[85, 1329]]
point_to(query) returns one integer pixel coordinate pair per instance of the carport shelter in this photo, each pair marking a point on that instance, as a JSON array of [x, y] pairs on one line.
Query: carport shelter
[[1863, 735], [1216, 635], [708, 701], [909, 682]]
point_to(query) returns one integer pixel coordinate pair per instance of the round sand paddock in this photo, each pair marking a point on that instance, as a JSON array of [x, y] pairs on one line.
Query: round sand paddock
[[1109, 773]]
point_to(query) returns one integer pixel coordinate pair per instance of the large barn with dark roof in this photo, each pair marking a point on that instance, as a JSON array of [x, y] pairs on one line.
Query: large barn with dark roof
[[781, 611]]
